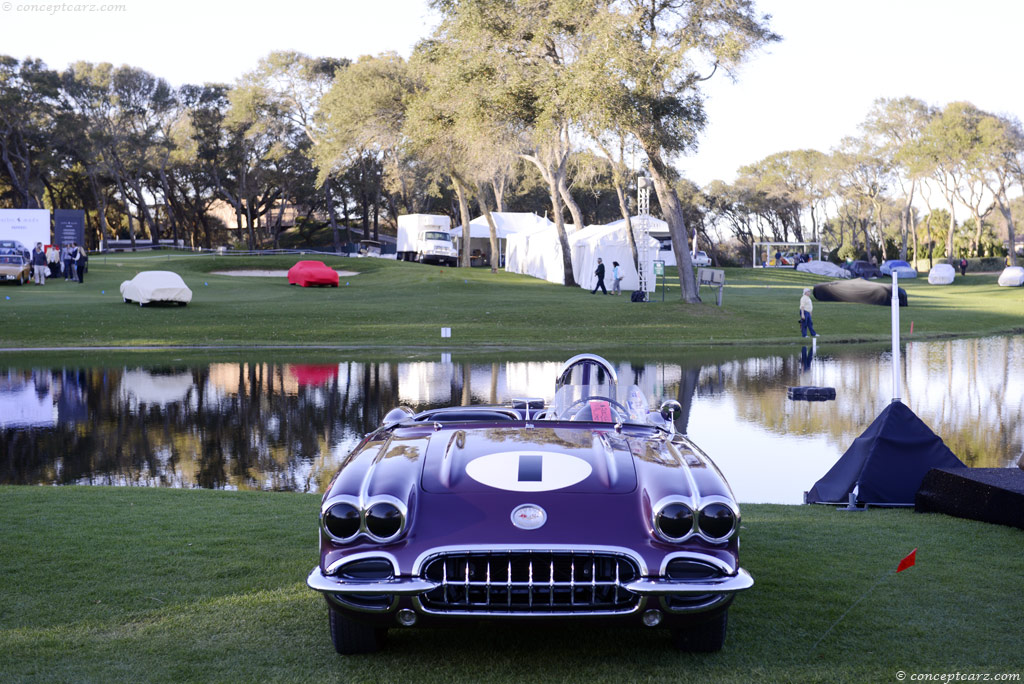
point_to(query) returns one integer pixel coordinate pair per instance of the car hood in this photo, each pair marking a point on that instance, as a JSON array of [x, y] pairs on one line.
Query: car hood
[[537, 459]]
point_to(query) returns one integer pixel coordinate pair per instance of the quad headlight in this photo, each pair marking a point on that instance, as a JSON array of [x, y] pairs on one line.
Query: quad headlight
[[717, 521], [342, 521], [380, 520], [384, 520], [676, 521]]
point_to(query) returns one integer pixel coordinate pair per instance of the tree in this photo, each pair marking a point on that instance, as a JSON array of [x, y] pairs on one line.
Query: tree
[[892, 128], [361, 124], [1003, 155], [28, 97], [646, 74], [948, 149]]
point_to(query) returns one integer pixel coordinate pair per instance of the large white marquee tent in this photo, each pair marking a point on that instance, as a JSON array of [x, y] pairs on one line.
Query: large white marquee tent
[[611, 243], [537, 253], [506, 223]]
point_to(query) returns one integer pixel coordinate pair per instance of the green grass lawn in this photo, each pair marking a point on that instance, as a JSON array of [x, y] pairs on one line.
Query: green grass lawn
[[157, 585], [405, 305]]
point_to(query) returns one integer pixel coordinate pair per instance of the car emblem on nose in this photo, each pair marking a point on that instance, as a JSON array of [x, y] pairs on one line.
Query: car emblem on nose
[[529, 517]]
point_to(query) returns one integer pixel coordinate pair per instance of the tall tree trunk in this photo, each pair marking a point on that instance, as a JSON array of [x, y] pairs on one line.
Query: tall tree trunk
[[1011, 237], [335, 232], [672, 210], [551, 175], [101, 205], [574, 209], [481, 200], [127, 211], [949, 234], [461, 193], [498, 185]]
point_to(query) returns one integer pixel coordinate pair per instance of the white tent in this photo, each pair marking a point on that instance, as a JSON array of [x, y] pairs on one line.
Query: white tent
[[941, 274], [610, 243], [1012, 276], [506, 223], [536, 253]]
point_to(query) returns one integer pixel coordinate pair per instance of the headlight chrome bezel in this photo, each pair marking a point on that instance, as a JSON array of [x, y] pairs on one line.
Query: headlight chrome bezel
[[364, 507], [715, 503]]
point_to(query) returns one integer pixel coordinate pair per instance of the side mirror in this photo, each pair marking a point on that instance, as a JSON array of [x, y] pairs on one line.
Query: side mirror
[[669, 410]]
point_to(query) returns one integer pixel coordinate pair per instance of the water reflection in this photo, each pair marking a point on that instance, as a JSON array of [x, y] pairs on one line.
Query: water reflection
[[281, 426]]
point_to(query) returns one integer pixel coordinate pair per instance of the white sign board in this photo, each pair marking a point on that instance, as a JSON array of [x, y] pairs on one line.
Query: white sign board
[[27, 226]]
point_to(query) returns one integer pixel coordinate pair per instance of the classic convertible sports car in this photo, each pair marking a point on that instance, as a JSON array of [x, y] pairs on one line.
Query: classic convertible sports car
[[592, 507]]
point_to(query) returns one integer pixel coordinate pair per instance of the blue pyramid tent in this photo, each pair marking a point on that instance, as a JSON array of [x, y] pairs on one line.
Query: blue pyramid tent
[[886, 463]]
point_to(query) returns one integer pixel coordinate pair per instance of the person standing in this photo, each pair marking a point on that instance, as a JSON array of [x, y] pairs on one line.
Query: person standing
[[65, 254], [600, 278], [39, 264], [616, 278], [79, 258], [806, 325], [963, 266], [53, 260]]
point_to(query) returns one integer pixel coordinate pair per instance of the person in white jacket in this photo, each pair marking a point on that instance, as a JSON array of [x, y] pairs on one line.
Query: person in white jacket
[[805, 314]]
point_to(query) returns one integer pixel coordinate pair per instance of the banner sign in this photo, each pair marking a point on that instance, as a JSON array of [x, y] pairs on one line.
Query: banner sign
[[27, 226], [68, 226]]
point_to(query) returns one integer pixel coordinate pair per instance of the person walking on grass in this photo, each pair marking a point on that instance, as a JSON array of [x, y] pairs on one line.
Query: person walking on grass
[[805, 314], [600, 278], [39, 264], [616, 278]]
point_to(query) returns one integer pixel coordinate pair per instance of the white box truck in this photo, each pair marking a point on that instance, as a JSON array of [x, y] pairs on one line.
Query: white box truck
[[426, 238]]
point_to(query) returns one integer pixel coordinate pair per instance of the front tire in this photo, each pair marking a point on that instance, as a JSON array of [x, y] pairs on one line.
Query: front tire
[[351, 637], [707, 637]]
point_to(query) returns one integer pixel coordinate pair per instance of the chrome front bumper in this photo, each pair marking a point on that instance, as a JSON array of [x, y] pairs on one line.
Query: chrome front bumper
[[410, 586]]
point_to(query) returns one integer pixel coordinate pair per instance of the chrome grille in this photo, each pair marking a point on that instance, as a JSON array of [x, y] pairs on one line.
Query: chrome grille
[[530, 582]]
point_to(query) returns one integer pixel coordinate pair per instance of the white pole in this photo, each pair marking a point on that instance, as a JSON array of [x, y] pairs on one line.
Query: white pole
[[895, 337]]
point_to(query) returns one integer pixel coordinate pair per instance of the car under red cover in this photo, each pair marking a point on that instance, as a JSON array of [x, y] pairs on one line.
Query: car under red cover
[[306, 273]]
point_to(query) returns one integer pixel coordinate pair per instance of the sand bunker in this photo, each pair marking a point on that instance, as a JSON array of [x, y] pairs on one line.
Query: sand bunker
[[271, 274]]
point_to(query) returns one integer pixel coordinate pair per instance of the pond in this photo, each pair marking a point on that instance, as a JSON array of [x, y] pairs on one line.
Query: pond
[[243, 424]]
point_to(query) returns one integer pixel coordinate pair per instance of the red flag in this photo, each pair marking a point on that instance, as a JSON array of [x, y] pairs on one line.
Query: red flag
[[907, 562]]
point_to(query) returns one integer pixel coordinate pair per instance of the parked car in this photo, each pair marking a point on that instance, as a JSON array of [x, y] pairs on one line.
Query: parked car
[[590, 507], [14, 267], [370, 248], [700, 259], [156, 286], [902, 268], [863, 269], [8, 246], [307, 273]]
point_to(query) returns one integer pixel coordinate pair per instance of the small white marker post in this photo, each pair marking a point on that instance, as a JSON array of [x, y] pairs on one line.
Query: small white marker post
[[446, 332], [895, 337]]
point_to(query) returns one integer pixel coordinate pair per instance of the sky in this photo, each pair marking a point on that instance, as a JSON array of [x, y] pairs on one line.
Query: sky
[[810, 90]]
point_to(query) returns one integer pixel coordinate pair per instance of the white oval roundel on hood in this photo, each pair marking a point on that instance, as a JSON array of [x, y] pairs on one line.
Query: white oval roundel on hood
[[528, 471]]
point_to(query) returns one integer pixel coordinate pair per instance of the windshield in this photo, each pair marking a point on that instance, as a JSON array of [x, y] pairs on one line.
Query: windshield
[[587, 389], [437, 235]]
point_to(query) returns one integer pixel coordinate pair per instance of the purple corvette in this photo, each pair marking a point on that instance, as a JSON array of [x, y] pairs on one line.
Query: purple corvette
[[591, 507]]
